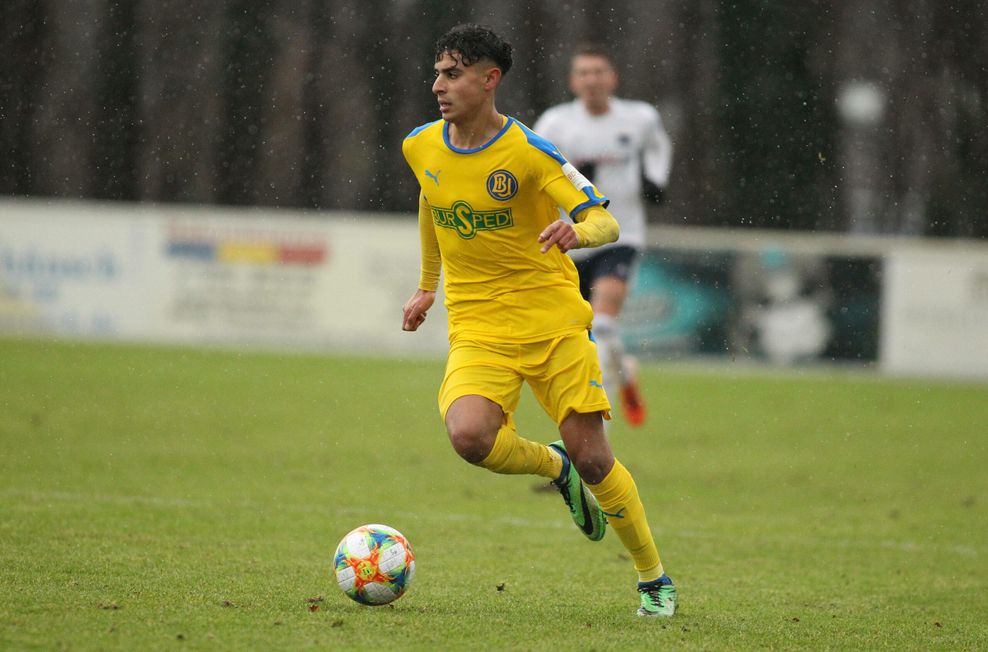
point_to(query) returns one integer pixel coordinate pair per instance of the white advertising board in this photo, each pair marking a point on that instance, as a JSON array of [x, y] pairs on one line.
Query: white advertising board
[[197, 275], [335, 281], [173, 273], [935, 313], [75, 271]]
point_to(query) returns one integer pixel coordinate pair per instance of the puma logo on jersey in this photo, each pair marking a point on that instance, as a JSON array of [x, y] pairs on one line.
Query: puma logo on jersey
[[434, 177]]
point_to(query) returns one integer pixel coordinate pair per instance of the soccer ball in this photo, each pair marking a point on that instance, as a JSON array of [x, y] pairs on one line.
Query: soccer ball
[[374, 564]]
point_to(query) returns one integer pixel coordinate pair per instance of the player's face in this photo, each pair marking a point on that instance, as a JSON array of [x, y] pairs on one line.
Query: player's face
[[592, 79], [461, 90]]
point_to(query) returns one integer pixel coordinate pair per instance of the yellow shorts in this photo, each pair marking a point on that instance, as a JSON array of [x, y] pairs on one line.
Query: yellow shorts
[[564, 374]]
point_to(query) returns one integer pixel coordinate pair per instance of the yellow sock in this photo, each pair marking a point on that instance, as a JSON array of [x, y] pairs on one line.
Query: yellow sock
[[514, 455], [618, 497]]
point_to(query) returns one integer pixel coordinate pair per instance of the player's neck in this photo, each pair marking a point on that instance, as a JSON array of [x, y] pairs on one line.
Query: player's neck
[[597, 107], [476, 130]]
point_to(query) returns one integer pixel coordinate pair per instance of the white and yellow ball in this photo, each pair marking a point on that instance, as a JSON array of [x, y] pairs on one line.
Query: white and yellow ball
[[374, 564]]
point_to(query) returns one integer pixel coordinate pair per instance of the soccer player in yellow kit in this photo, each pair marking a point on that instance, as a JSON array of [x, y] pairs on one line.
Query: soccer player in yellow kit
[[488, 215]]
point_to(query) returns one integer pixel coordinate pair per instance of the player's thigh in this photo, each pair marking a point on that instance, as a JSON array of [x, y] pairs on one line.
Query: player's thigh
[[608, 295], [613, 270], [479, 369], [565, 376], [618, 262]]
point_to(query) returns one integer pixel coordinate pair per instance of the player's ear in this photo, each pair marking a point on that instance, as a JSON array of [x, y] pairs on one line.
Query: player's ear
[[615, 81], [492, 78]]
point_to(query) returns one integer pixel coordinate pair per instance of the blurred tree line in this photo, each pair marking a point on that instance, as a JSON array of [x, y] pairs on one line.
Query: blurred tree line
[[842, 115]]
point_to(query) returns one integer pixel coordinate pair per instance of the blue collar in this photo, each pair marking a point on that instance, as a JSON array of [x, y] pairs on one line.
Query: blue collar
[[507, 123]]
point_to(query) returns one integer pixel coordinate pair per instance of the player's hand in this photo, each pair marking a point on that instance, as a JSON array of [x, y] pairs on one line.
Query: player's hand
[[414, 310], [559, 233]]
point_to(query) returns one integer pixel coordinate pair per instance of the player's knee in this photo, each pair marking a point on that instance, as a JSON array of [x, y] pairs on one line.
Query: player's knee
[[472, 423], [594, 467], [472, 440], [587, 446]]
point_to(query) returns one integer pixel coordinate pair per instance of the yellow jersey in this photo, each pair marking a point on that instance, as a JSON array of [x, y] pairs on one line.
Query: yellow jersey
[[486, 208]]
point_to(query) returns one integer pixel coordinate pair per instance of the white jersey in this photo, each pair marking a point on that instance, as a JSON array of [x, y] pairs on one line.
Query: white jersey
[[615, 148]]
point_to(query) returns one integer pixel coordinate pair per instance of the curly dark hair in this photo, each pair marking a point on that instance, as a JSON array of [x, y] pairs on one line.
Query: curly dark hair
[[473, 43]]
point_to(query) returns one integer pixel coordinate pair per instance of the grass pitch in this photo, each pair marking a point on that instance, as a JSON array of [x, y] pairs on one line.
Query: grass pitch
[[160, 498]]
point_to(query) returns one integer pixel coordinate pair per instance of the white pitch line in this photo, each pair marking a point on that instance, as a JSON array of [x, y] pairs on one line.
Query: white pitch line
[[513, 521]]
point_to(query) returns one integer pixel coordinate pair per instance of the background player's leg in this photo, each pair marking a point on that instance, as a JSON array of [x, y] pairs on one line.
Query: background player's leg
[[604, 324], [607, 297], [610, 349], [620, 377]]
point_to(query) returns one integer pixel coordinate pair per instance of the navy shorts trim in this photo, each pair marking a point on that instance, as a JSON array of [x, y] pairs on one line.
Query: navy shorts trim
[[613, 261]]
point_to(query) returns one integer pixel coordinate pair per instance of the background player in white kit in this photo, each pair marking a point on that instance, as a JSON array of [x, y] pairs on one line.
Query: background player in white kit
[[620, 145]]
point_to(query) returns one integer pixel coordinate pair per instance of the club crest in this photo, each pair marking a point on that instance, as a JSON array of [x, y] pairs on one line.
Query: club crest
[[502, 185]]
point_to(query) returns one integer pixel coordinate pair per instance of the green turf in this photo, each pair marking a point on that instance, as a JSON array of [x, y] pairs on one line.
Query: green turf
[[165, 498]]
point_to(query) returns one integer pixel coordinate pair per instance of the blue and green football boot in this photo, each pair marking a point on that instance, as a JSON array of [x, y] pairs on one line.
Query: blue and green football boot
[[658, 597], [582, 505]]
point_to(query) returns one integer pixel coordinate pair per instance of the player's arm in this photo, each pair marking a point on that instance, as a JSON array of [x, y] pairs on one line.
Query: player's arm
[[656, 160], [594, 226], [414, 310]]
